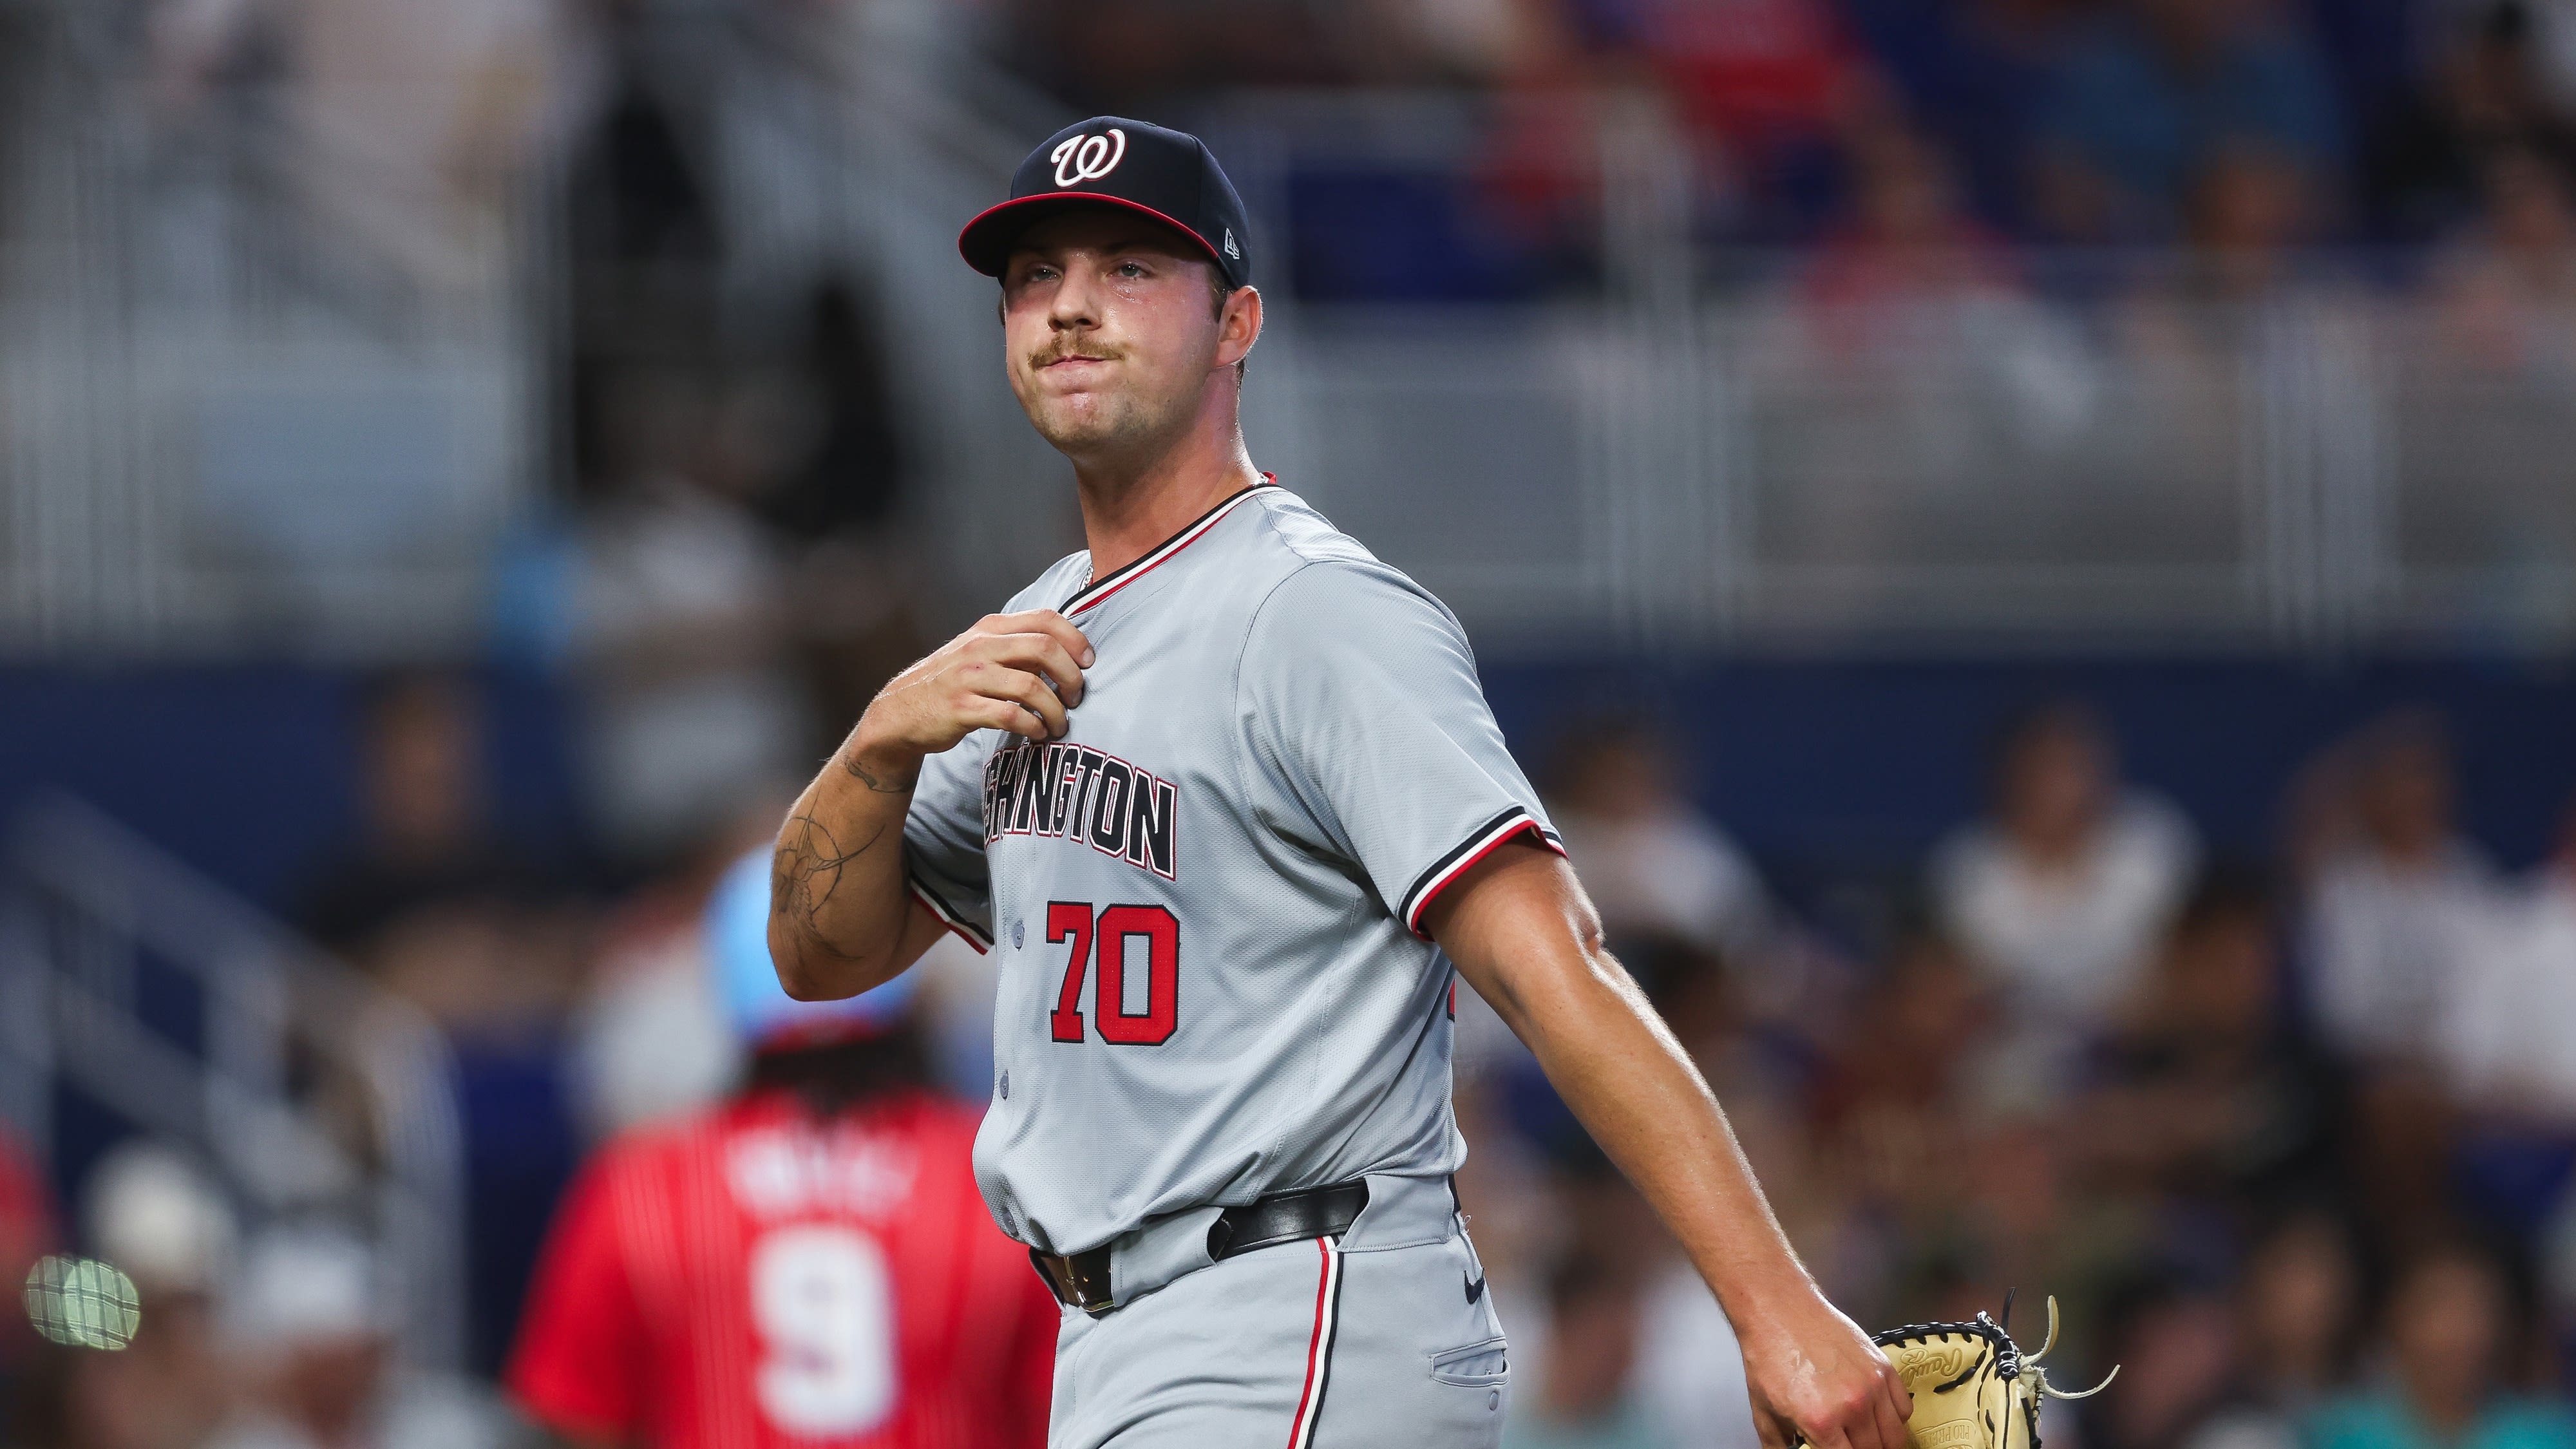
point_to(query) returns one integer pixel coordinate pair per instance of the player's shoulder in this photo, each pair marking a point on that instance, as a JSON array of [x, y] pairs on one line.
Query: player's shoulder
[[1298, 565]]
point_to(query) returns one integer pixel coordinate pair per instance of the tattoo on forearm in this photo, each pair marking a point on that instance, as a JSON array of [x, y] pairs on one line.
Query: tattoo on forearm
[[804, 874], [869, 778]]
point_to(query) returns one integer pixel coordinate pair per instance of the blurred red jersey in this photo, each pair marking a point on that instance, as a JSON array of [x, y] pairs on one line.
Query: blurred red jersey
[[755, 1278], [26, 1232]]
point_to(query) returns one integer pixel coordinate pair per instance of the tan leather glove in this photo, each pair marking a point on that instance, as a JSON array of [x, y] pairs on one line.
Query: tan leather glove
[[1973, 1388]]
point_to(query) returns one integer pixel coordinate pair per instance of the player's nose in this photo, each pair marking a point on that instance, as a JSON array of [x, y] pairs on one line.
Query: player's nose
[[1074, 302]]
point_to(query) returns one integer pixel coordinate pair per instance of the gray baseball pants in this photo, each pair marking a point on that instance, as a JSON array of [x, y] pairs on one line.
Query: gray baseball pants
[[1383, 1337]]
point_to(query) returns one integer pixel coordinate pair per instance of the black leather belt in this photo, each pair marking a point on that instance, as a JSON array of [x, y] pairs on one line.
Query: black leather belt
[[1082, 1279]]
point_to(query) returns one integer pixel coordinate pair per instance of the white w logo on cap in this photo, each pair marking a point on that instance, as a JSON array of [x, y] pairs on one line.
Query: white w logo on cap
[[1088, 158]]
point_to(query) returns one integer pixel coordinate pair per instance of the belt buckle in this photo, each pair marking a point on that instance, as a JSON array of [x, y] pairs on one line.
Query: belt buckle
[[1067, 1275]]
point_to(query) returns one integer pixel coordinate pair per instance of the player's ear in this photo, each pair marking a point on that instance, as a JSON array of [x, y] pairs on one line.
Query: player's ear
[[1238, 326]]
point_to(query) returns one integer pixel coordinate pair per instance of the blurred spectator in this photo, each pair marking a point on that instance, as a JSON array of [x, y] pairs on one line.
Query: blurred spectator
[[1892, 1099], [2207, 1089], [1653, 863], [2140, 104], [2510, 277], [1582, 1397], [407, 141], [1975, 72], [312, 1318], [1906, 269], [2507, 1042], [2505, 1059], [1689, 1377], [2431, 155], [151, 1213], [1767, 86], [2176, 1347], [2397, 906], [2246, 207], [1482, 39], [425, 835], [848, 475], [639, 200], [1910, 1053], [648, 1037], [1907, 274], [821, 450], [1944, 1180], [1125, 56], [2063, 891], [2396, 898], [2295, 1317], [2454, 1359], [440, 908], [674, 617], [805, 1263]]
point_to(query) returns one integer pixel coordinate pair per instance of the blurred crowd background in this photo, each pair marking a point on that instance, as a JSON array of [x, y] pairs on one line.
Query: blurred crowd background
[[2032, 544]]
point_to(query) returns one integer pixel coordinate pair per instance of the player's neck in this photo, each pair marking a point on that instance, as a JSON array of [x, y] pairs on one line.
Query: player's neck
[[1128, 510]]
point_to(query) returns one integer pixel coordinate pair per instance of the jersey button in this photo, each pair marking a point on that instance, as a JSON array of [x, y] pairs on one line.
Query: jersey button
[[1006, 1086], [1019, 934]]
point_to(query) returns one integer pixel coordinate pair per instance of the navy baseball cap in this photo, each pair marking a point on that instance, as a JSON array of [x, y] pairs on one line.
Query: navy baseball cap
[[1111, 161]]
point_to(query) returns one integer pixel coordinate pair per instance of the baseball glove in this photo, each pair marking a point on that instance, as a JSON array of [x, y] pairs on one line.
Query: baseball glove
[[1972, 1386]]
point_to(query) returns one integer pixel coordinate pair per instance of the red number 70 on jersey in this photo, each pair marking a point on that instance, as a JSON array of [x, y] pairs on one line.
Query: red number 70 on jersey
[[1114, 928]]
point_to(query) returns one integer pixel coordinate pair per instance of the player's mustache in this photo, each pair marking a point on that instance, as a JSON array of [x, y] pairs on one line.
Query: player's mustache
[[1067, 347]]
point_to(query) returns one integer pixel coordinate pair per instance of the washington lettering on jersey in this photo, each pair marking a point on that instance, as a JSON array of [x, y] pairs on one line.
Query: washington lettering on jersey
[[1085, 795]]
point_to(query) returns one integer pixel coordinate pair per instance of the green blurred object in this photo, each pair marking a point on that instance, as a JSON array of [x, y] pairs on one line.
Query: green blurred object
[[82, 1302]]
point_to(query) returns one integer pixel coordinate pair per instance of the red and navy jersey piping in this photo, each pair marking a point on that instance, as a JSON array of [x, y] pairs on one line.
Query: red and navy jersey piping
[[1101, 588], [949, 916], [1485, 839]]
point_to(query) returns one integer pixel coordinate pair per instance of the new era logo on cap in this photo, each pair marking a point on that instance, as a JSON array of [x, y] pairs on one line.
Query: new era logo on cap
[[1109, 160]]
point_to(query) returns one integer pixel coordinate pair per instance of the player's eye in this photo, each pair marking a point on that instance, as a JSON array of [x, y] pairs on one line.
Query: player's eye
[[1130, 270]]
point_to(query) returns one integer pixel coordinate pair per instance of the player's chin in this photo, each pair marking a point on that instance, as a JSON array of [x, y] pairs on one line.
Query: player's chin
[[1077, 425]]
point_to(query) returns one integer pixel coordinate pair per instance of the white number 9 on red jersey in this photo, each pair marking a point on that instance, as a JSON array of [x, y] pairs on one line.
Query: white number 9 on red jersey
[[821, 1302]]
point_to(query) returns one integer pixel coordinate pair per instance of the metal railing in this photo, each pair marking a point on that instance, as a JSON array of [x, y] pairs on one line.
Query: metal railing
[[127, 978], [2333, 473]]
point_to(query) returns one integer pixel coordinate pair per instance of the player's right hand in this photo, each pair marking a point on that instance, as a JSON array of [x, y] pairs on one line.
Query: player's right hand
[[1817, 1380], [1016, 672]]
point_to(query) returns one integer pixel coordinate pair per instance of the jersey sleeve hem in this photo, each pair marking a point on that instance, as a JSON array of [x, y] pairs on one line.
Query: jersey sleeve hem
[[949, 916], [1487, 838]]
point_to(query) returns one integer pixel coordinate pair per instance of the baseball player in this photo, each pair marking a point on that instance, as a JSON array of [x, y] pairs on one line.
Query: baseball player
[[804, 1265], [1225, 791]]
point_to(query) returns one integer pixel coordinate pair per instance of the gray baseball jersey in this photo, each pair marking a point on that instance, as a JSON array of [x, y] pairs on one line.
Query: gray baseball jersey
[[1209, 893]]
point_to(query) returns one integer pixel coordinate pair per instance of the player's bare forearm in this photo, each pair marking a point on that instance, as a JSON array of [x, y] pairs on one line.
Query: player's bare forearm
[[840, 920], [840, 917], [1521, 931], [1527, 940]]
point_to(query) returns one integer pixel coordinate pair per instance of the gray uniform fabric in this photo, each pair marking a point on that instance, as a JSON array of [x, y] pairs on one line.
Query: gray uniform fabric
[[1206, 894], [1385, 1336]]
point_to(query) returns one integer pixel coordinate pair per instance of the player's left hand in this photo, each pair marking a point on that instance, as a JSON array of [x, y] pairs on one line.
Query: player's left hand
[[1814, 1375]]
